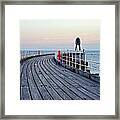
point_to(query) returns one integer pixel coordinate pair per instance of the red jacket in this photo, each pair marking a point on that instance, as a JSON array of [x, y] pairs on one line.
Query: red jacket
[[59, 55]]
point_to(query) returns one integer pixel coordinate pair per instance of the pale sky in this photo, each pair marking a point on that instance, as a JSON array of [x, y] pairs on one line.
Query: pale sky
[[59, 34]]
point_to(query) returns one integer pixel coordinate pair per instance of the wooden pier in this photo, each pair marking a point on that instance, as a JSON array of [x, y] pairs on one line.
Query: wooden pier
[[42, 79]]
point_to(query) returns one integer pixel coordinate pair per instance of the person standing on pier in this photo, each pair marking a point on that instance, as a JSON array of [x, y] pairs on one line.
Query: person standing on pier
[[77, 42], [59, 56]]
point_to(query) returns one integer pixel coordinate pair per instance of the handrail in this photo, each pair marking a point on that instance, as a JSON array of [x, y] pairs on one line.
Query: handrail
[[70, 57], [75, 63], [79, 64], [29, 57], [83, 59]]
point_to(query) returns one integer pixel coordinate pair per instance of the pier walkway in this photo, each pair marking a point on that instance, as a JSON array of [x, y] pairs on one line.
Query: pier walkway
[[42, 79]]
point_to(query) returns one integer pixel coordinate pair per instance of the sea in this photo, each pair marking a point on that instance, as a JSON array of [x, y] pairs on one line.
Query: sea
[[92, 57]]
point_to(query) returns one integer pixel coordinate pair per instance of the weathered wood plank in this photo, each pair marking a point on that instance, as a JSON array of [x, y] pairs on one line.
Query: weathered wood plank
[[56, 86], [41, 79], [85, 88], [63, 86], [33, 89], [41, 86], [80, 80], [25, 95], [67, 87], [47, 85]]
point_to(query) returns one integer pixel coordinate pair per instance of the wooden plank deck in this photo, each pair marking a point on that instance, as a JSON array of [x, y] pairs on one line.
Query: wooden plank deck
[[42, 79]]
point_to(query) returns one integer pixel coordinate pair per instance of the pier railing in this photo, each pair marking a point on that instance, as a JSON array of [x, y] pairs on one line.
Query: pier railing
[[77, 60], [26, 53], [73, 59]]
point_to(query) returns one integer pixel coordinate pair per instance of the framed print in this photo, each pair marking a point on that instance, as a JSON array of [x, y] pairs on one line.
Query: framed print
[[60, 59]]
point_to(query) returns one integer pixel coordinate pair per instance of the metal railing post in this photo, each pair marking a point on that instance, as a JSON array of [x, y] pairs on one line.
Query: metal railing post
[[80, 61]]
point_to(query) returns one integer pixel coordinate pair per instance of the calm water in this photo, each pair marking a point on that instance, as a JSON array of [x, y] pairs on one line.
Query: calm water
[[93, 58]]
